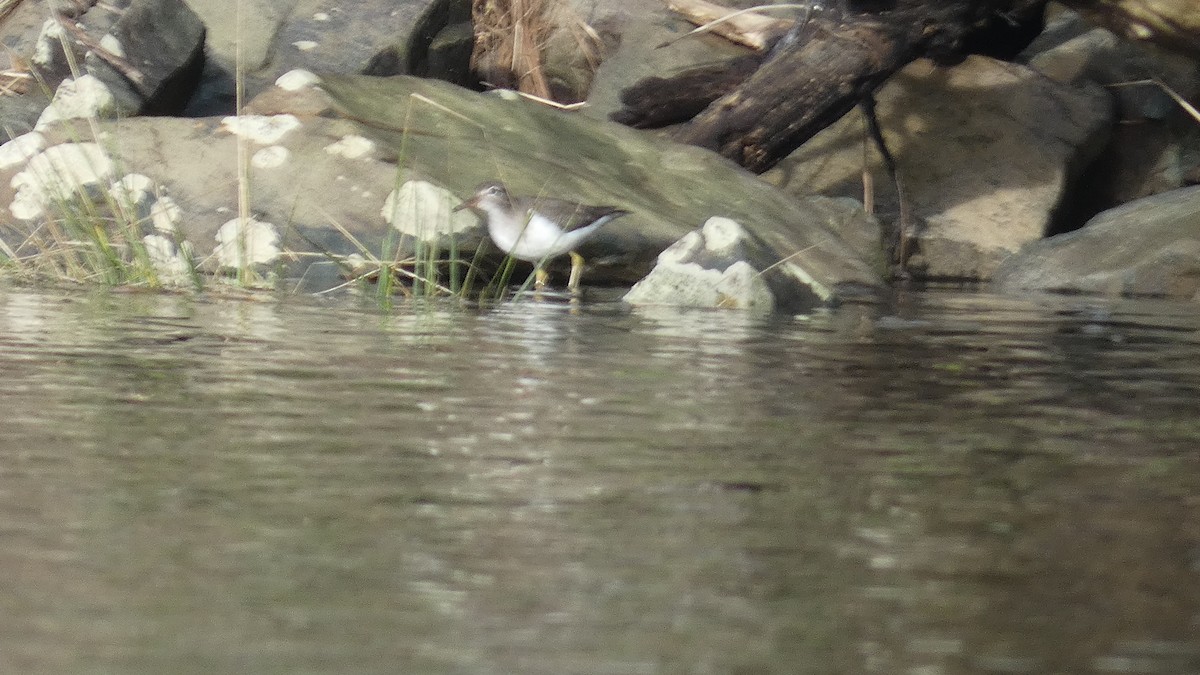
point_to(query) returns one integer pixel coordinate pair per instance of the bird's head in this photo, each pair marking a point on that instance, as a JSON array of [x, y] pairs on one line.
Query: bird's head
[[488, 196]]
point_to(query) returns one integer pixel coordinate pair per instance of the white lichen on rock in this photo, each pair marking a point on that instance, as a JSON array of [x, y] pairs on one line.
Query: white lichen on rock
[[738, 286], [112, 44], [131, 197], [20, 149], [425, 211], [62, 173], [721, 235], [270, 157], [246, 243], [296, 79], [351, 146], [172, 264], [140, 199], [85, 97], [134, 189], [166, 215], [262, 129]]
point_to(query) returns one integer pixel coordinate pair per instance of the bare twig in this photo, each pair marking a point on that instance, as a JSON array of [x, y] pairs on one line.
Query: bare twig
[[122, 65], [554, 104], [8, 7]]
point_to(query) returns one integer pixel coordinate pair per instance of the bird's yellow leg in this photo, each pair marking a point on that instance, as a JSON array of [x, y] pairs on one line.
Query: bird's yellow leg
[[576, 271], [540, 277]]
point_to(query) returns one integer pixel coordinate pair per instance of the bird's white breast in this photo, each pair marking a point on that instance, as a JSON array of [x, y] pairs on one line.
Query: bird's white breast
[[533, 237]]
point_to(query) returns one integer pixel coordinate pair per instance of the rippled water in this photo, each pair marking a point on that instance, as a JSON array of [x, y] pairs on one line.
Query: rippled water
[[953, 483]]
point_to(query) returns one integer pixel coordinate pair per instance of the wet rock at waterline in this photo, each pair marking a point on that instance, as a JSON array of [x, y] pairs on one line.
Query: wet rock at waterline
[[424, 213], [1149, 247], [305, 190], [721, 265]]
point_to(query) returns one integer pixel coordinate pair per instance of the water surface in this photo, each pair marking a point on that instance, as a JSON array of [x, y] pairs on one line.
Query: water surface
[[952, 483]]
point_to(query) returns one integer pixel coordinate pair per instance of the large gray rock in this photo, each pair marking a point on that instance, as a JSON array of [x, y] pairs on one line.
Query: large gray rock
[[1147, 247], [1155, 146], [317, 184], [273, 37], [459, 138], [145, 57], [986, 150], [722, 266], [643, 29], [305, 177]]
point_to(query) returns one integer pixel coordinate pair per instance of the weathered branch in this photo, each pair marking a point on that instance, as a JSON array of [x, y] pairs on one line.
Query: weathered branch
[[782, 105], [820, 73]]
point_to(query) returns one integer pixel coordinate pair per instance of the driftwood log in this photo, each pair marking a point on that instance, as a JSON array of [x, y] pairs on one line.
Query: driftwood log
[[759, 109]]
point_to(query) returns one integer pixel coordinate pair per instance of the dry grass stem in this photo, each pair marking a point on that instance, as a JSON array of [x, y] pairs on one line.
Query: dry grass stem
[[508, 37], [1175, 96], [16, 79]]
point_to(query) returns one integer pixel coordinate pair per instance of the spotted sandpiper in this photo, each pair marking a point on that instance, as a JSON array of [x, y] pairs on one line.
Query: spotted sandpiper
[[537, 229]]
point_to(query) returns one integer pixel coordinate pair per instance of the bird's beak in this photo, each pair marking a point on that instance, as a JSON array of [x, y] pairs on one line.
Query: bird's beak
[[470, 203]]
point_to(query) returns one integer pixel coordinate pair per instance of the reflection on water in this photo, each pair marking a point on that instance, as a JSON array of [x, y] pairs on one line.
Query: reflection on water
[[956, 483]]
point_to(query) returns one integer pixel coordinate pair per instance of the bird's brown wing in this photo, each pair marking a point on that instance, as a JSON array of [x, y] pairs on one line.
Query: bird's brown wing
[[573, 215]]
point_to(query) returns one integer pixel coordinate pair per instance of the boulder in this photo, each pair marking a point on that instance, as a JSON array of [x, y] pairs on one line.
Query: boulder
[[459, 138], [1155, 144], [721, 265], [1149, 247], [307, 178], [986, 150], [649, 43]]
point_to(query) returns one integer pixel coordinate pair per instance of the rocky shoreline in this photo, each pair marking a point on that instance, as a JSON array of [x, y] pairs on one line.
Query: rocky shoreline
[[1002, 161]]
